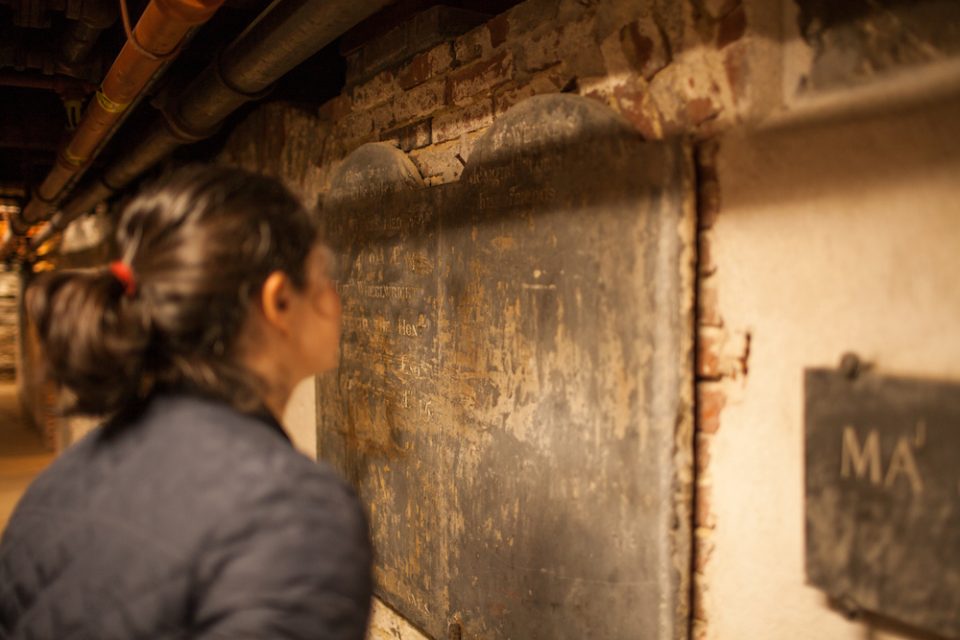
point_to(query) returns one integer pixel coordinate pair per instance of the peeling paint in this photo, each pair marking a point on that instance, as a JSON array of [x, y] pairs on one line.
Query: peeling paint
[[515, 381]]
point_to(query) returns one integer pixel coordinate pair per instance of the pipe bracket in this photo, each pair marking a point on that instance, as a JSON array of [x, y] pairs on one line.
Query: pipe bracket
[[109, 105], [70, 161]]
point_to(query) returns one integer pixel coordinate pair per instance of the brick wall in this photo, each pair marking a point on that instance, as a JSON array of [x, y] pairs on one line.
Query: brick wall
[[670, 69], [697, 69]]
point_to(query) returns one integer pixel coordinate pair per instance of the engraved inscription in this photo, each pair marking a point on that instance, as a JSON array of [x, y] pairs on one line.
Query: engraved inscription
[[863, 460], [377, 291]]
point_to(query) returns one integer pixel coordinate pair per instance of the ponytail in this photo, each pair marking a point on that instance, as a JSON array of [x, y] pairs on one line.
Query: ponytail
[[93, 341], [197, 247]]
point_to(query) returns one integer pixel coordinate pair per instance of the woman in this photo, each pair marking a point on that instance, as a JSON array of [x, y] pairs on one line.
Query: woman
[[189, 514]]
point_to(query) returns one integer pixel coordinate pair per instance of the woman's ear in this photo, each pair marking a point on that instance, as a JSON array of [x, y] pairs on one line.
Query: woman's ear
[[275, 300]]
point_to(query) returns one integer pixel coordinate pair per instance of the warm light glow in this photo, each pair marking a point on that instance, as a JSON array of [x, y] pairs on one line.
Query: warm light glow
[[43, 265]]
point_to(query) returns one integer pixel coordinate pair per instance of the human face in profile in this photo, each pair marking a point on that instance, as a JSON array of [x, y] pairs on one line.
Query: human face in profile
[[316, 315]]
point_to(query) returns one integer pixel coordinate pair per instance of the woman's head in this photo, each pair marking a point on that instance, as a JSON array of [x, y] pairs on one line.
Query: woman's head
[[219, 257]]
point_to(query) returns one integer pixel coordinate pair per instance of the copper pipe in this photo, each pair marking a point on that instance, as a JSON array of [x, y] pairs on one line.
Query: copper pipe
[[284, 35], [160, 30]]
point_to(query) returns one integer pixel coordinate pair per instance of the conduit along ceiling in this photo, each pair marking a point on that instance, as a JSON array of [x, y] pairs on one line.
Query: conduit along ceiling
[[86, 112]]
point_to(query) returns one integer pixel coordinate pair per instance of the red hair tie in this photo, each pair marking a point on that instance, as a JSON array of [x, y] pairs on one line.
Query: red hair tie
[[122, 272]]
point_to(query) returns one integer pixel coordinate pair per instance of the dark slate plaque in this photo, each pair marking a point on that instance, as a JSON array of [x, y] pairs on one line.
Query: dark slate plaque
[[883, 495], [514, 399]]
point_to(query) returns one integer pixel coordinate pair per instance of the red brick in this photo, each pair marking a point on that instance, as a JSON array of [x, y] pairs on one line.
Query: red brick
[[527, 16], [704, 442], [438, 163], [411, 136], [702, 550], [708, 202], [708, 189], [356, 126], [499, 29], [549, 81], [479, 78], [709, 344], [732, 27], [708, 308], [703, 516], [383, 117], [426, 65], [414, 72], [453, 123], [574, 44], [473, 45], [336, 108], [378, 89], [710, 402], [419, 102], [699, 110], [706, 264], [644, 47], [699, 590]]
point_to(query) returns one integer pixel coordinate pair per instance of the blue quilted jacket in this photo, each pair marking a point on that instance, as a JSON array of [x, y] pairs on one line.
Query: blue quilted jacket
[[190, 521]]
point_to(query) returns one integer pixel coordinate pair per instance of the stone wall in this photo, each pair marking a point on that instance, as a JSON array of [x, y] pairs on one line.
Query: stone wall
[[813, 148]]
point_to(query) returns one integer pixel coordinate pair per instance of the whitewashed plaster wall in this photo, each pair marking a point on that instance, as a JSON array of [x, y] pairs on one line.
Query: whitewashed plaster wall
[[838, 230]]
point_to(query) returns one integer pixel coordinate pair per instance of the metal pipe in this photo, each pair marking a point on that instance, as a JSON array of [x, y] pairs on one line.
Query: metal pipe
[[284, 35], [160, 30]]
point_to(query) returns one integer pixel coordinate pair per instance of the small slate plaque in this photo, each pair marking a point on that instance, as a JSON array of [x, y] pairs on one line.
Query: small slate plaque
[[883, 495]]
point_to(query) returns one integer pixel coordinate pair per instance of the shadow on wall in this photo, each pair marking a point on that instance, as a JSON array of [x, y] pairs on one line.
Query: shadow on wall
[[825, 151]]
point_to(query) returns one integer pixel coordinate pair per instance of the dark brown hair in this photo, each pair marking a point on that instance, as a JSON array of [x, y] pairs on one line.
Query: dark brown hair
[[200, 243]]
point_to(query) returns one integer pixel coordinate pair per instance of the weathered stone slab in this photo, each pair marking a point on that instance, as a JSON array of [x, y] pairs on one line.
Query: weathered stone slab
[[514, 397]]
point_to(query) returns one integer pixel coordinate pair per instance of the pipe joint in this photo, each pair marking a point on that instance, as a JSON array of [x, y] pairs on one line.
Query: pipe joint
[[183, 132], [70, 162], [187, 129], [47, 202], [224, 81], [106, 189]]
